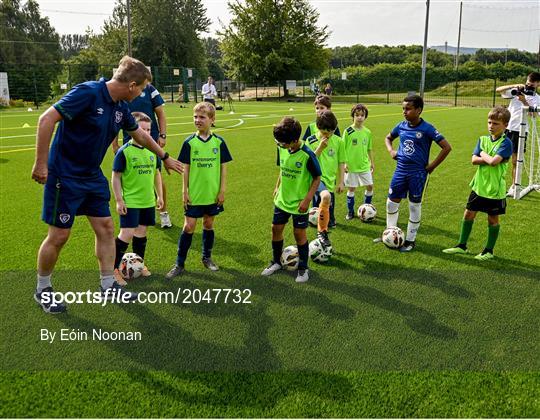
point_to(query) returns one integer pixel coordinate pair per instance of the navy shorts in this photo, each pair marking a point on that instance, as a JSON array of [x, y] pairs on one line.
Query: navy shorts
[[281, 217], [136, 217], [412, 183], [199, 211], [491, 206], [65, 198]]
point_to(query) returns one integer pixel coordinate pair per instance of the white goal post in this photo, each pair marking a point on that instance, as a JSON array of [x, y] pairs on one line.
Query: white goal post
[[528, 154]]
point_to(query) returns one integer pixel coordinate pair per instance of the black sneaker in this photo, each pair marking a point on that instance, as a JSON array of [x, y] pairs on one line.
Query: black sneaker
[[118, 294], [332, 225], [408, 246], [349, 216], [323, 238], [175, 271], [45, 300], [211, 265]]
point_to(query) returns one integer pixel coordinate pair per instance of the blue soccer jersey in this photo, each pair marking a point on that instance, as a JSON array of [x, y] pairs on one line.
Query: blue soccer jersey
[[414, 144], [146, 102], [91, 120]]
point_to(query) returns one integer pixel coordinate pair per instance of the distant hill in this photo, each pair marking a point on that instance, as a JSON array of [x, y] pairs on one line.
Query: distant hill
[[463, 50]]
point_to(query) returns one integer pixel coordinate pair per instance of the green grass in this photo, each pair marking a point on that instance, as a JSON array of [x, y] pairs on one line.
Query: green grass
[[374, 333]]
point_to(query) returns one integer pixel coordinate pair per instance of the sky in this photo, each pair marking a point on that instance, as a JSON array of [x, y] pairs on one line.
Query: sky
[[485, 23]]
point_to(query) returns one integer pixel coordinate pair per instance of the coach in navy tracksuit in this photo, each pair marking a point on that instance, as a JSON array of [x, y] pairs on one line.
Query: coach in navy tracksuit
[[89, 118]]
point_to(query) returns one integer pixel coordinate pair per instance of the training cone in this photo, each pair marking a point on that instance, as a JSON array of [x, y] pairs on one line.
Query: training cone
[[291, 109], [26, 125], [232, 112]]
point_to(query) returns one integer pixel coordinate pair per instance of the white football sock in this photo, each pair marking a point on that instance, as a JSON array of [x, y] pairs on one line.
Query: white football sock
[[43, 282], [350, 193], [415, 214], [392, 213], [106, 281]]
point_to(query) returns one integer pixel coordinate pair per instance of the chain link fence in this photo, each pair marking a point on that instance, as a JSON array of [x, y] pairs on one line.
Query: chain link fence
[[44, 84]]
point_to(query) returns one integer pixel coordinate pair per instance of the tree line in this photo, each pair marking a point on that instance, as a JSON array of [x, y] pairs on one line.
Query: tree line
[[360, 55], [266, 41]]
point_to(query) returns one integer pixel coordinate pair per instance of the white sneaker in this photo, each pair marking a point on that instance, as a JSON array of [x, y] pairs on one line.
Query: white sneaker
[[165, 220], [510, 192], [303, 276], [271, 269]]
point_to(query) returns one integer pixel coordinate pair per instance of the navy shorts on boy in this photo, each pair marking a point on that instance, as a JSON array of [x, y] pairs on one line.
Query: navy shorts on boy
[[65, 198], [199, 211], [408, 182], [136, 217], [491, 206], [281, 217]]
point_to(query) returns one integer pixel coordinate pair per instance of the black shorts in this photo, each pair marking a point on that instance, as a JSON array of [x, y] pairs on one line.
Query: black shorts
[[491, 206], [209, 100], [514, 138], [136, 217], [281, 217], [199, 211]]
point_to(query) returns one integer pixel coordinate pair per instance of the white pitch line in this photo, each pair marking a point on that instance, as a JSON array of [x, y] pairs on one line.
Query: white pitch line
[[16, 145]]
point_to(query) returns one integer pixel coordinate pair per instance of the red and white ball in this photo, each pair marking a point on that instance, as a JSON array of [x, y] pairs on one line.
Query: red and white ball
[[393, 237]]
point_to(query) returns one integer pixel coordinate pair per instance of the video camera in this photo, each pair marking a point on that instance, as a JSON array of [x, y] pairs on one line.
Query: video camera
[[525, 90]]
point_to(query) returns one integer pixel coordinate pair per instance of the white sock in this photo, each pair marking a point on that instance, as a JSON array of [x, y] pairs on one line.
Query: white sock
[[43, 282], [392, 213], [415, 214], [106, 280]]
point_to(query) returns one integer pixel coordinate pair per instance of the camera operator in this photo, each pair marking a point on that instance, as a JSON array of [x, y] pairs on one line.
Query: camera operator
[[519, 96]]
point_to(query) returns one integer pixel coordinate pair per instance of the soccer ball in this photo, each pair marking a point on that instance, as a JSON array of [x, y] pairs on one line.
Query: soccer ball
[[290, 258], [367, 212], [393, 237], [313, 216], [318, 252], [131, 266]]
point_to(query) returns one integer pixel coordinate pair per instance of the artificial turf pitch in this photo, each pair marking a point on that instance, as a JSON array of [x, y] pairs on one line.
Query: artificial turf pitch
[[374, 333]]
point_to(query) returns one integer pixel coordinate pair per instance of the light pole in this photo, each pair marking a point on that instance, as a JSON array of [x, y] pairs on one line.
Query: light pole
[[424, 52], [128, 27]]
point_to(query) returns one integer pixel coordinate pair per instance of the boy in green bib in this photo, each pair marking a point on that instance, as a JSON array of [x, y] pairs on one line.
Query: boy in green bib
[[204, 155], [489, 183], [135, 182], [297, 182]]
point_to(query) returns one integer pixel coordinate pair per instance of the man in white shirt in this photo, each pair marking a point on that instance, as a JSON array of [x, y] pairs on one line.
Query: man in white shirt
[[520, 95], [209, 91]]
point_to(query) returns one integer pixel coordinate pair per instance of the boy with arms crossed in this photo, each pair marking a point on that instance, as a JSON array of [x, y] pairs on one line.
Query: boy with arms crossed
[[488, 194]]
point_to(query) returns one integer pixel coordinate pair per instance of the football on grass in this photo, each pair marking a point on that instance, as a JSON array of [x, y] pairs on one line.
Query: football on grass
[[131, 266]]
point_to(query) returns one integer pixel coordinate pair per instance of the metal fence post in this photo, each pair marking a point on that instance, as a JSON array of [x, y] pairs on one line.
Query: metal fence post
[[494, 90], [35, 87]]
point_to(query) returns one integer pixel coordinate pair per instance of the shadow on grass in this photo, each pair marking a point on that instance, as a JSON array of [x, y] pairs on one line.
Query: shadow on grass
[[233, 249]]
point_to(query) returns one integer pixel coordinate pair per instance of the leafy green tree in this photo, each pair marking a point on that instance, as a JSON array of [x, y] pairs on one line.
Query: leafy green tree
[[72, 44], [213, 58], [270, 40], [30, 50]]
